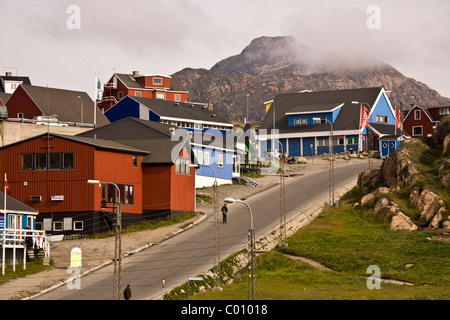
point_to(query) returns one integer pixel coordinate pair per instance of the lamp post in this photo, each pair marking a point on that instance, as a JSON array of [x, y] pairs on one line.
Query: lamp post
[[252, 293], [331, 175], [5, 66], [217, 288], [81, 108], [283, 242], [118, 242]]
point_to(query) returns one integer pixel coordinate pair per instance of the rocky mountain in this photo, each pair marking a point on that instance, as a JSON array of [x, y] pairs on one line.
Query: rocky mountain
[[272, 65]]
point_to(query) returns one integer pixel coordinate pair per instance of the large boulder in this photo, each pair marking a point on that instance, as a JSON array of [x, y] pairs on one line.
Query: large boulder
[[402, 166], [369, 180], [427, 202], [435, 222], [402, 222]]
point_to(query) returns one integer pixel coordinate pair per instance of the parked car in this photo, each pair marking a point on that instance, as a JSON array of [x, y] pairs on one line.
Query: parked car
[[274, 154], [48, 120]]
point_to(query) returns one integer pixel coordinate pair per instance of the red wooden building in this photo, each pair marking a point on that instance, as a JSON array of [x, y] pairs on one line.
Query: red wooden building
[[145, 86], [49, 173], [421, 121], [30, 101]]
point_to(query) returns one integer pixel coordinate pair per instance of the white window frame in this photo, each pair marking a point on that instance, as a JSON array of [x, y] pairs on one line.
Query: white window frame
[[159, 81], [160, 96], [55, 228], [137, 94], [78, 229], [417, 115], [416, 127]]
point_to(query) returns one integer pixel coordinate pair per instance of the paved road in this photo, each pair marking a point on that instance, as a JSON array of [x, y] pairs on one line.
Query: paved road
[[191, 252]]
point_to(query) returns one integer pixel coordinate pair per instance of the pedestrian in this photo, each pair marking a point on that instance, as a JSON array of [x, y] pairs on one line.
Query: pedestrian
[[224, 212], [127, 292]]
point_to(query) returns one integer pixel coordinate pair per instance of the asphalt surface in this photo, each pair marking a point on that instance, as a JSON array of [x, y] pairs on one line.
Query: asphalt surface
[[190, 253]]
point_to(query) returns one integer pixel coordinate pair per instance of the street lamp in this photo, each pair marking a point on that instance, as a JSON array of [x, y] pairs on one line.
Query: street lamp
[[5, 66], [118, 242], [282, 201], [81, 108], [217, 288], [331, 175], [251, 235]]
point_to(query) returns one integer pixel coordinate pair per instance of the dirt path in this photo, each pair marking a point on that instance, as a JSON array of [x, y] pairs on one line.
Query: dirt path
[[97, 252]]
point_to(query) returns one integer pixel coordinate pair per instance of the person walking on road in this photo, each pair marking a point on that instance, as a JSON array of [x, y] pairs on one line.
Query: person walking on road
[[127, 292], [224, 212]]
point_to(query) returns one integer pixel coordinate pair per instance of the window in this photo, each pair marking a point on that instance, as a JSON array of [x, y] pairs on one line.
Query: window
[[135, 161], [352, 141], [137, 94], [182, 166], [158, 81], [57, 226], [200, 157], [78, 225], [161, 96], [323, 142], [55, 161], [220, 160], [68, 160], [444, 111], [300, 121], [382, 119], [40, 161], [321, 120], [129, 194], [120, 95], [338, 141], [20, 115], [417, 114], [417, 131], [27, 161], [177, 97], [206, 158]]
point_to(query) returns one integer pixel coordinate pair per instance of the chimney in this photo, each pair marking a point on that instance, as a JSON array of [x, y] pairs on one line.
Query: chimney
[[8, 74], [135, 73]]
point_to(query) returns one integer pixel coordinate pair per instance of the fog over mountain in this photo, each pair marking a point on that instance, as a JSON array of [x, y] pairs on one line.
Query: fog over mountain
[[272, 65]]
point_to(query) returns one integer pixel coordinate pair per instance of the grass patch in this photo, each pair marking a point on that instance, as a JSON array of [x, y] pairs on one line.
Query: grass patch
[[349, 241], [32, 267]]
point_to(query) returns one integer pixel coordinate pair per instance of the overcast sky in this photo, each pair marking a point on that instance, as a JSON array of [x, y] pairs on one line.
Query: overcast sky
[[59, 46]]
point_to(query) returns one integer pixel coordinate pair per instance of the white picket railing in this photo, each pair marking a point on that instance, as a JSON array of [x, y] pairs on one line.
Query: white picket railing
[[10, 237]]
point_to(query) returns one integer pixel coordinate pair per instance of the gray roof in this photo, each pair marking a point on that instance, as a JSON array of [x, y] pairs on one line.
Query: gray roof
[[14, 205], [131, 83], [98, 143], [180, 110], [347, 119], [4, 97], [151, 136], [65, 104]]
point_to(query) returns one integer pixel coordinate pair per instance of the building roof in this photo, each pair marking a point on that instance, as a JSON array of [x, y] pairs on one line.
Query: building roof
[[4, 97], [65, 104], [98, 143], [426, 110], [153, 137], [24, 80], [182, 110], [130, 82], [15, 205], [347, 119]]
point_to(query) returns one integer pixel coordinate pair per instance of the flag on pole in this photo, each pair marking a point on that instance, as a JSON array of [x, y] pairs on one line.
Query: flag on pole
[[398, 119], [6, 185], [364, 121]]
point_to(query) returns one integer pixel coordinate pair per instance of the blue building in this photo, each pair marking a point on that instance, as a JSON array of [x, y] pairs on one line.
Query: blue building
[[306, 120], [208, 132]]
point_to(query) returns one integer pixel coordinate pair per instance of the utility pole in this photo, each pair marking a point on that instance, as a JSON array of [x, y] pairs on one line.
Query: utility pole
[[118, 253]]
